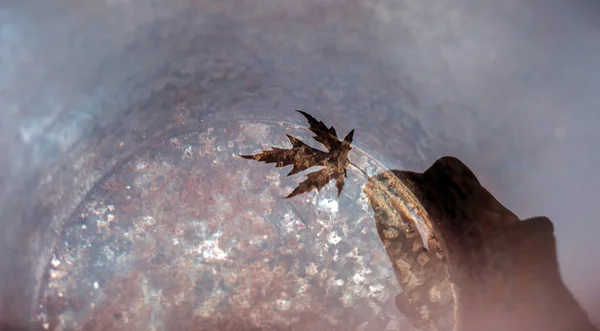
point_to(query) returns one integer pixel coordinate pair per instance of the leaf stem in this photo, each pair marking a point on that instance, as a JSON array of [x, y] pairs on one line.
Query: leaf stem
[[297, 213], [360, 169]]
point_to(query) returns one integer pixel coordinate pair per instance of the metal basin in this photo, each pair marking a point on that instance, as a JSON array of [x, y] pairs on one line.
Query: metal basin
[[123, 207]]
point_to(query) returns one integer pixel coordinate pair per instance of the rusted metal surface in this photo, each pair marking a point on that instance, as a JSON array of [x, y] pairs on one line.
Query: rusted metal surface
[[186, 235], [418, 80]]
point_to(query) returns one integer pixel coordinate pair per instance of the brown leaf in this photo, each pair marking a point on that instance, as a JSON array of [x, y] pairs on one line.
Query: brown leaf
[[301, 157]]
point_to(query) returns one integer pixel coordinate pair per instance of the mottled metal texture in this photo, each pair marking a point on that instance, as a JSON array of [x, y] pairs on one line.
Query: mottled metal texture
[[186, 235], [508, 86]]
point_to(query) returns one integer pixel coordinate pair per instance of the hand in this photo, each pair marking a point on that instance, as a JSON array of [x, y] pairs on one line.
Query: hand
[[463, 260]]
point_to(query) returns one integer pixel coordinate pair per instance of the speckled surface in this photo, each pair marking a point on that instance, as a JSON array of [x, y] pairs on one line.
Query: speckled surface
[[509, 87], [186, 235]]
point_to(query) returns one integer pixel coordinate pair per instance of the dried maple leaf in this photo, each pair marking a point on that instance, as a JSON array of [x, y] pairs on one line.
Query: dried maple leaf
[[301, 156]]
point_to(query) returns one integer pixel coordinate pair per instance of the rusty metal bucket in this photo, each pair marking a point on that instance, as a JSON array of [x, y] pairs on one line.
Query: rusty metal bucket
[[122, 207]]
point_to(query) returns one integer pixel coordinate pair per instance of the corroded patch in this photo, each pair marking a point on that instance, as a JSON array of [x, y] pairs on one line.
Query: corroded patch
[[390, 233], [424, 311], [423, 259]]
